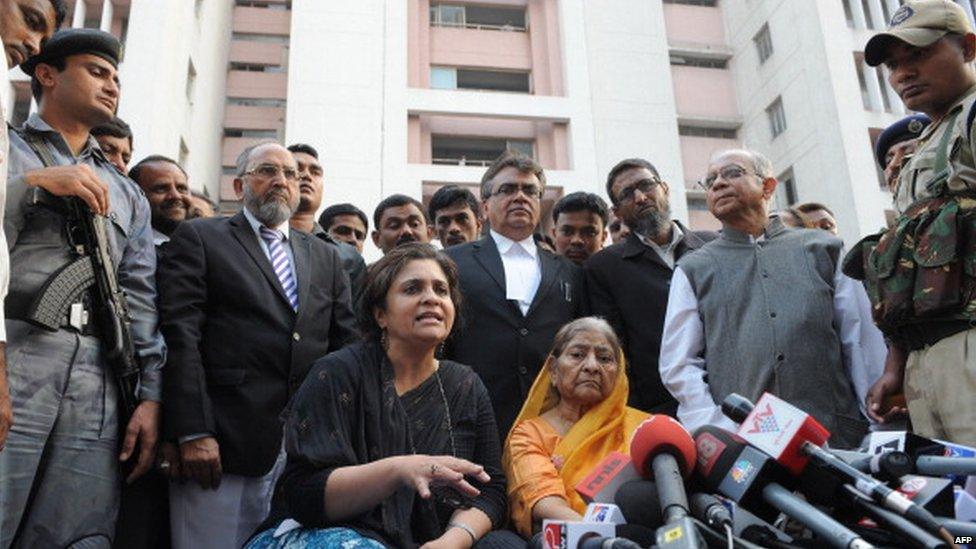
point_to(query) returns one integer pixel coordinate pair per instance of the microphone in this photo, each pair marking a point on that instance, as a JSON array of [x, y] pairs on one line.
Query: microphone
[[606, 478], [794, 438], [746, 475], [638, 501], [708, 509], [892, 520], [662, 447], [626, 536]]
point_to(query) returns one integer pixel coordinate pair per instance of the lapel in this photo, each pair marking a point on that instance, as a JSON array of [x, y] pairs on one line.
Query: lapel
[[634, 248], [300, 251], [550, 270], [486, 254], [242, 231]]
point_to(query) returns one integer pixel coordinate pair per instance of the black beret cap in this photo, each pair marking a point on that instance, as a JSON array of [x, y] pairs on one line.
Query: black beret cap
[[907, 128], [74, 42]]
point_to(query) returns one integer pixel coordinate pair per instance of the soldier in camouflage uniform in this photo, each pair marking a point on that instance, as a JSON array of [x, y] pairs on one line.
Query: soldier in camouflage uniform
[[922, 275], [60, 474]]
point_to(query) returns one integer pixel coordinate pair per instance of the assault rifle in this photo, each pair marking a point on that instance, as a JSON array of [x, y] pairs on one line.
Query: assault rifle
[[92, 272]]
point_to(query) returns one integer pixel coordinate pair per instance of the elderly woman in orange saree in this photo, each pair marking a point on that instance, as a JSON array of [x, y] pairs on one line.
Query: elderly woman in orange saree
[[575, 415]]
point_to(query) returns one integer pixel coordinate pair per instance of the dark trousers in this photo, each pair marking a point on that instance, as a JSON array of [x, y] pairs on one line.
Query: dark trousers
[[144, 513]]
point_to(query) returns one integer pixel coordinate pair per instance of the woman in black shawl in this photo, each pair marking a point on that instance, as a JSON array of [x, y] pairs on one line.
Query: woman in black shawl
[[387, 445]]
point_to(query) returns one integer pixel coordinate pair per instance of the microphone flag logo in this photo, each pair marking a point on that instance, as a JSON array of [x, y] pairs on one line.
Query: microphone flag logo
[[764, 421]]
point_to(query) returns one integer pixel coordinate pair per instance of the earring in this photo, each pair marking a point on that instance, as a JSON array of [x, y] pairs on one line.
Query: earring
[[384, 340]]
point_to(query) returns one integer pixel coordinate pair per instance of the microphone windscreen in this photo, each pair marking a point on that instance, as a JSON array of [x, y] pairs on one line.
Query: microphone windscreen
[[717, 450], [638, 501], [638, 533], [660, 434]]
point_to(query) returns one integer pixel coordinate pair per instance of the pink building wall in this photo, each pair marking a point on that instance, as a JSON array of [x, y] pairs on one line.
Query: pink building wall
[[257, 85], [696, 153], [262, 21], [694, 26], [704, 93], [454, 47], [241, 117], [258, 53]]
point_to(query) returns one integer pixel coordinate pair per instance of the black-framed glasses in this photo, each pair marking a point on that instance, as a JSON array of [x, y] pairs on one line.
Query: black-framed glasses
[[511, 189], [270, 171], [645, 186], [728, 173]]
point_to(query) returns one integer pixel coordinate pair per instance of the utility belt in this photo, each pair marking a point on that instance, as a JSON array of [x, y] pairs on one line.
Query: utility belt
[[922, 335]]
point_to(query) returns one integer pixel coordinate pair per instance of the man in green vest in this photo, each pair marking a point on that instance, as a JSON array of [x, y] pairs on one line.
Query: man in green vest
[[929, 49]]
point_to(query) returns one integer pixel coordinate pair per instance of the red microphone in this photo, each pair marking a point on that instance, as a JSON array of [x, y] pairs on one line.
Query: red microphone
[[662, 448], [606, 478], [780, 429]]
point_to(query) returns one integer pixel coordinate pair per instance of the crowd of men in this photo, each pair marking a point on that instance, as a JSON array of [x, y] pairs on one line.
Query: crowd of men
[[227, 313]]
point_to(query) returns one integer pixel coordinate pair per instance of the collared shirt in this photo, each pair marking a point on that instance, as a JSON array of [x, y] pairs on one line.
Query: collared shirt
[[522, 271], [683, 354], [961, 158], [667, 252], [159, 238], [38, 246], [282, 229]]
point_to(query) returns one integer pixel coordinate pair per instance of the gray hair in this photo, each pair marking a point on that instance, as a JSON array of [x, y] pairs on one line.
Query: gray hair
[[245, 156], [586, 324], [760, 164]]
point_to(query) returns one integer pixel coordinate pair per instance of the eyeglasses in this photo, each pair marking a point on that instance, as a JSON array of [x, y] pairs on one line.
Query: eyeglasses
[[728, 173], [270, 171], [511, 189], [342, 230], [645, 186]]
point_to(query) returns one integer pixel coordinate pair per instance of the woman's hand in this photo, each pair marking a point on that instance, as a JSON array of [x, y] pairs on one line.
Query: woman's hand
[[423, 472]]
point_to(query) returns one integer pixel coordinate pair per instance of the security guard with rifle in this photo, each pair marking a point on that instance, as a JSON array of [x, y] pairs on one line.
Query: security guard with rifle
[[84, 351], [921, 273]]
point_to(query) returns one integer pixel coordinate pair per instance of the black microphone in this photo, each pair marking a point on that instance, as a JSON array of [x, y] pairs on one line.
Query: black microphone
[[708, 509], [893, 521], [638, 501], [626, 536], [746, 475], [896, 463]]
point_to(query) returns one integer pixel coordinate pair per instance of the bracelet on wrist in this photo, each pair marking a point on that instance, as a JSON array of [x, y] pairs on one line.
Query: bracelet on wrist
[[466, 528]]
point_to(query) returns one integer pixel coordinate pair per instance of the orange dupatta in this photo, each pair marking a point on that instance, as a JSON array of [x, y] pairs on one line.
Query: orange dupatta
[[605, 428]]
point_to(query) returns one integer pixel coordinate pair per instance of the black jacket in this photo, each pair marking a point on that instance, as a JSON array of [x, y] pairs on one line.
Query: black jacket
[[504, 347], [628, 285], [237, 350]]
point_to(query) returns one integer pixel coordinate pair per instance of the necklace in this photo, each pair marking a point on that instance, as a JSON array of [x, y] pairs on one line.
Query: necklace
[[447, 412]]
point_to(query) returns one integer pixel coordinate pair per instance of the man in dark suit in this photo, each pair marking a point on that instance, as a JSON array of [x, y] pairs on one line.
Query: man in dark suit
[[516, 295], [247, 305], [628, 282]]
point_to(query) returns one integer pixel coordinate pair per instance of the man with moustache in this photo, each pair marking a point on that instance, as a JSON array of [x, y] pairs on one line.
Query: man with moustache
[[115, 139], [516, 295], [164, 182], [201, 206], [399, 219], [765, 308], [60, 474], [455, 213], [580, 226], [247, 305], [628, 282], [346, 223], [310, 184], [20, 40], [929, 49]]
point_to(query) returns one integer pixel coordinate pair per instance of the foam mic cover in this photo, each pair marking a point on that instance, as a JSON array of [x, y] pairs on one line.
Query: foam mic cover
[[662, 434], [638, 501]]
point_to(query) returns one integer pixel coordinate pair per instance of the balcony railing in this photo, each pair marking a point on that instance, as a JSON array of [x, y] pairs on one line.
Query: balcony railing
[[478, 26], [461, 162]]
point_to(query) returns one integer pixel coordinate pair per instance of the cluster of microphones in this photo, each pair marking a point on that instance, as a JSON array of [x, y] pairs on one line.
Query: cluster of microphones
[[773, 483]]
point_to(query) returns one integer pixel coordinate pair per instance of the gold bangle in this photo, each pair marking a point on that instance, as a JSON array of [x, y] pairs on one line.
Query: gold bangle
[[466, 528]]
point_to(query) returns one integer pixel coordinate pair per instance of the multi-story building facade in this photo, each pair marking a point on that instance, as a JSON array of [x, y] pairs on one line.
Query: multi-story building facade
[[405, 96]]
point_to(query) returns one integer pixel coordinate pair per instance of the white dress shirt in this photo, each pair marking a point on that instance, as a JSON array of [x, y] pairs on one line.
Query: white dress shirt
[[522, 271], [666, 253], [4, 146], [683, 356], [282, 228]]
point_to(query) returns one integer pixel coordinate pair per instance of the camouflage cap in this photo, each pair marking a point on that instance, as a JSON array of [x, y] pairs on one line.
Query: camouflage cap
[[919, 23]]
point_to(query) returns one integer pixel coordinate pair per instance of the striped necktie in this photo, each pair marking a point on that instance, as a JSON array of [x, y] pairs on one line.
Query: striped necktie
[[281, 264]]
